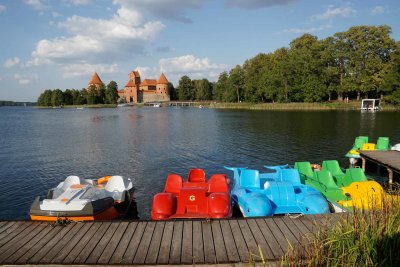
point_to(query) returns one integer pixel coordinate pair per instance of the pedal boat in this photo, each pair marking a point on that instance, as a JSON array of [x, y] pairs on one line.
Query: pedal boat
[[193, 198], [279, 192], [79, 199], [361, 143], [347, 190]]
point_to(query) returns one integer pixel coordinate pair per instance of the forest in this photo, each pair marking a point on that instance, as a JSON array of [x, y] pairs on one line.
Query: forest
[[362, 62], [92, 96]]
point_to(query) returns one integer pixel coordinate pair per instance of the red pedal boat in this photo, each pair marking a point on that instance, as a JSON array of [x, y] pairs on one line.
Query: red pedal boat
[[194, 198]]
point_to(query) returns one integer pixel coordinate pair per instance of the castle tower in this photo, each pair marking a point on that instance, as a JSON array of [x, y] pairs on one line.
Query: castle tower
[[95, 81], [132, 87], [162, 87]]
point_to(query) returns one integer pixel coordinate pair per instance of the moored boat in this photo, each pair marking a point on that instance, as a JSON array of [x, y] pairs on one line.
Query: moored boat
[[80, 199], [193, 198], [278, 192]]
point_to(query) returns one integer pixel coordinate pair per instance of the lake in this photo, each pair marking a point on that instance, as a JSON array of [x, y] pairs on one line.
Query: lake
[[39, 148]]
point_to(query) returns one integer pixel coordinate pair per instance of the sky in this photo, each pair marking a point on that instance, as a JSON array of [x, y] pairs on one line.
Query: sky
[[49, 44]]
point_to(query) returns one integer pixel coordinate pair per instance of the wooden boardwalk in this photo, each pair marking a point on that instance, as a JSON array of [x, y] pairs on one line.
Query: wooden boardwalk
[[150, 242], [389, 159]]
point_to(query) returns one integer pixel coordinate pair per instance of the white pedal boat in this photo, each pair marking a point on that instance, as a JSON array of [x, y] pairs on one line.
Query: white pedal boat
[[79, 199]]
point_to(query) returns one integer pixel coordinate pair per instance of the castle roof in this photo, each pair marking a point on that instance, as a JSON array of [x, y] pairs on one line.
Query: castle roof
[[95, 79], [162, 79], [149, 82], [130, 83], [136, 73]]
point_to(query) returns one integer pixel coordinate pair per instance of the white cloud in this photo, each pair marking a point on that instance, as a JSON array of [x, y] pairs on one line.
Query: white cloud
[[190, 65], [11, 62], [79, 2], [377, 10], [25, 79], [36, 4], [97, 40], [332, 13], [2, 8], [170, 9], [86, 69], [307, 30], [254, 4]]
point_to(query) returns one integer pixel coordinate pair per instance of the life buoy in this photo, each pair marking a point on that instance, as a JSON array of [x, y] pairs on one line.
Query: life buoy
[[316, 167], [103, 179]]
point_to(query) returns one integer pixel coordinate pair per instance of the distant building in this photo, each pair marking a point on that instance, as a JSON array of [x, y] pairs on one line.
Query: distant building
[[149, 90], [95, 81]]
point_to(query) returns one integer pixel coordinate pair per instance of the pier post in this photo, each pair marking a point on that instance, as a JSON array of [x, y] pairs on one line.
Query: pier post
[[390, 174], [363, 163]]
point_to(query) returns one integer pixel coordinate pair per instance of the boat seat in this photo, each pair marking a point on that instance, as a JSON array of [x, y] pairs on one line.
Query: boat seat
[[382, 143], [116, 187], [173, 184], [333, 167], [325, 178], [290, 175], [359, 142], [355, 175], [305, 170], [69, 181], [197, 175], [217, 184], [250, 178]]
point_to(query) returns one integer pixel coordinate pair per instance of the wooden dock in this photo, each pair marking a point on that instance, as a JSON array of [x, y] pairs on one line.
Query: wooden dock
[[388, 159], [151, 242]]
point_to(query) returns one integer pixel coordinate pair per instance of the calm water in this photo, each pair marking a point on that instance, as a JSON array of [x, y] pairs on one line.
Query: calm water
[[40, 147]]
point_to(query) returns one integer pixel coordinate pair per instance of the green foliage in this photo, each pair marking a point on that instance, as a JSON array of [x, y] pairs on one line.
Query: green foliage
[[364, 61], [185, 89], [172, 92], [111, 93], [361, 238]]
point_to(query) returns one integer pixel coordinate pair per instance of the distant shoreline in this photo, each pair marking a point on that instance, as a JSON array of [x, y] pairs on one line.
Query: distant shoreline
[[353, 105]]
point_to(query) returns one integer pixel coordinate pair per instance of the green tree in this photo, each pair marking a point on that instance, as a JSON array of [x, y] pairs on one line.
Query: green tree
[[68, 98], [173, 94], [185, 88], [203, 89], [57, 98], [111, 93], [221, 87]]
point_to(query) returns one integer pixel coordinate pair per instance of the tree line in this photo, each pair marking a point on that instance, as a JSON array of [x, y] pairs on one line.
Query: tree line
[[102, 95], [362, 62]]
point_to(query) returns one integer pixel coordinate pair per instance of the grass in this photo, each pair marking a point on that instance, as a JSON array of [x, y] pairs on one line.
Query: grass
[[361, 238], [337, 105]]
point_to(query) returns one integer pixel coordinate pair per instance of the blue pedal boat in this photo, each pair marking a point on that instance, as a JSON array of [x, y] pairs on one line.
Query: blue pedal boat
[[273, 193]]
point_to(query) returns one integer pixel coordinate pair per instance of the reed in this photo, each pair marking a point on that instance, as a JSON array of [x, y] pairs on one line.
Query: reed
[[360, 238]]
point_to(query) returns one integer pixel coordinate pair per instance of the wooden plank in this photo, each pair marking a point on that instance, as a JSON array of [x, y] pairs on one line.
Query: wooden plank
[[119, 252], [187, 243], [176, 244], [4, 227], [17, 254], [101, 245], [220, 250], [90, 246], [266, 250], [241, 245], [59, 247], [141, 253], [209, 250], [10, 249], [270, 238], [38, 246], [280, 238], [197, 247], [112, 245], [134, 244], [62, 231], [248, 237], [155, 244], [70, 258], [297, 228], [163, 254], [286, 232], [19, 240], [231, 250], [59, 258], [13, 231]]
